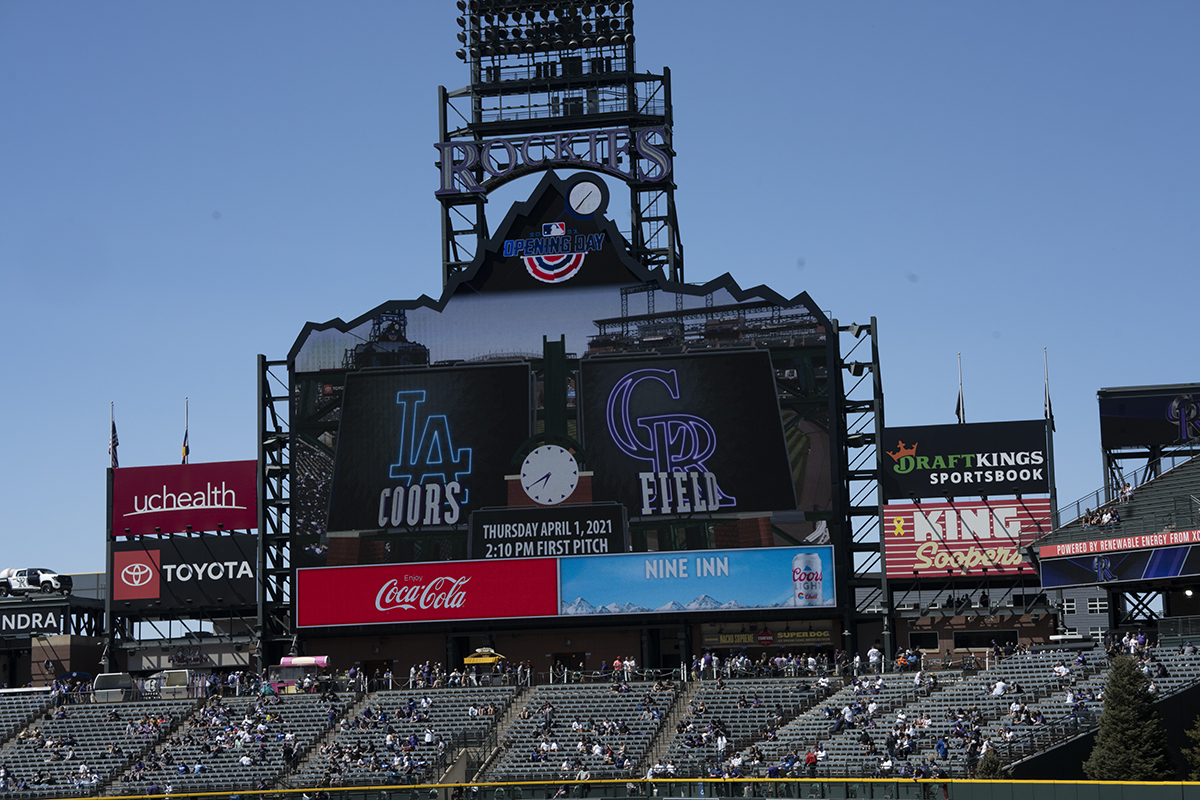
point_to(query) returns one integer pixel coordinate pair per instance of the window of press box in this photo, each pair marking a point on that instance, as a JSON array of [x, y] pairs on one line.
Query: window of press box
[[978, 639], [923, 640]]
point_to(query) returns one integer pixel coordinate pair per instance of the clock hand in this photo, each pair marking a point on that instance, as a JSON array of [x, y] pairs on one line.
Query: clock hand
[[542, 479]]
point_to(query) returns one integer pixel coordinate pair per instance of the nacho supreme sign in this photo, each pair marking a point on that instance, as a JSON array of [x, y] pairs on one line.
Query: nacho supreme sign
[[936, 539], [171, 499]]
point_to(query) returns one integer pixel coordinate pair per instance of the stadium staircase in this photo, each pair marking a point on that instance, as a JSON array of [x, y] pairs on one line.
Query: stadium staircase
[[312, 752], [662, 740], [472, 762]]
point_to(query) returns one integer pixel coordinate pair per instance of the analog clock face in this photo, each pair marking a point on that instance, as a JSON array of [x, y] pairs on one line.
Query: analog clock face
[[585, 198], [549, 475]]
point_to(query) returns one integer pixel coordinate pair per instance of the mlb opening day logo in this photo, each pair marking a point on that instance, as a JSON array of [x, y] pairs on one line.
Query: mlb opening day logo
[[555, 256]]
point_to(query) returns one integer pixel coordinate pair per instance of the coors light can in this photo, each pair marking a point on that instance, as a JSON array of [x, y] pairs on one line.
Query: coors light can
[[807, 586]]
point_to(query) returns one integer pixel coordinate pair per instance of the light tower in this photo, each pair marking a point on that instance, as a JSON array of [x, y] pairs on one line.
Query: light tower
[[553, 83]]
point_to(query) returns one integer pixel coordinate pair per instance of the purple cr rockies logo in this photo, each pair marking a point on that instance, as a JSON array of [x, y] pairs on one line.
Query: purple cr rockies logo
[[674, 447]]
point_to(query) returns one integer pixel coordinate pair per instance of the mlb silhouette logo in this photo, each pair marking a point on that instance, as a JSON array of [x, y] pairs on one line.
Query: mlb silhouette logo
[[554, 228], [136, 575]]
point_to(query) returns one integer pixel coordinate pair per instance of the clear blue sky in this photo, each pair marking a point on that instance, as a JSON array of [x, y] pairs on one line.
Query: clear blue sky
[[184, 185]]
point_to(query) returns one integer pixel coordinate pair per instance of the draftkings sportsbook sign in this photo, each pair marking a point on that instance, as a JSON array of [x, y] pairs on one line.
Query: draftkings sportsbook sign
[[981, 459]]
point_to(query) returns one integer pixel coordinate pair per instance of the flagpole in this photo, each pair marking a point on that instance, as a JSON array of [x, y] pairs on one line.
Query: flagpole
[[1054, 518], [962, 407], [185, 430]]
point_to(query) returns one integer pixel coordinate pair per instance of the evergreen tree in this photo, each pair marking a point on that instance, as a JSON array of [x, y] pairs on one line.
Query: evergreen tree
[[1131, 744], [1192, 754], [990, 767]]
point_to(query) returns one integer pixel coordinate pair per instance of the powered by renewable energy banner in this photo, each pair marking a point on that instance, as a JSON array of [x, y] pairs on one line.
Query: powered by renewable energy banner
[[629, 583]]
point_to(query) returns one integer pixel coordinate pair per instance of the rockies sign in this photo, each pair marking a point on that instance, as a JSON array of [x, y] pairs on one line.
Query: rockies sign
[[204, 572]]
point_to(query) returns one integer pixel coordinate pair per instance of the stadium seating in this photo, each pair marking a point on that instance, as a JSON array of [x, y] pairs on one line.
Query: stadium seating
[[556, 718], [359, 754], [78, 748], [269, 722]]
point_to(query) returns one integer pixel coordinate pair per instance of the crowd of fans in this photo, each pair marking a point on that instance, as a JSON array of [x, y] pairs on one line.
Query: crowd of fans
[[1101, 518]]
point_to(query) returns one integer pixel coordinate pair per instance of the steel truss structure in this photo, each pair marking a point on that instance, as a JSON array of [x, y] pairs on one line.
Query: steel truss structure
[[859, 384], [273, 626], [545, 67]]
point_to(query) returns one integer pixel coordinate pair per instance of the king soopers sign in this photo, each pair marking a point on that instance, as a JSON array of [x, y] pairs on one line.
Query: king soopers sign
[[607, 150]]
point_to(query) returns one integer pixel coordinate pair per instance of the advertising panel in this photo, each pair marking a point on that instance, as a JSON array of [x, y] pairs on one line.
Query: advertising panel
[[423, 447], [443, 590], [170, 499], [686, 434], [28, 619], [1105, 566], [631, 583], [534, 531], [935, 539], [1140, 416], [766, 637], [185, 572], [699, 580], [979, 459], [1137, 542]]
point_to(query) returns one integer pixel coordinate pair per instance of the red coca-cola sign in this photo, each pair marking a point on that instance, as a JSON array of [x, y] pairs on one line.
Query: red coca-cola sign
[[221, 495], [440, 590], [765, 638]]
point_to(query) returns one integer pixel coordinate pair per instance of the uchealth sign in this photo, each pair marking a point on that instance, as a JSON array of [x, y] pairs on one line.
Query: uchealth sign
[[441, 590], [940, 539], [170, 499], [185, 573], [988, 459]]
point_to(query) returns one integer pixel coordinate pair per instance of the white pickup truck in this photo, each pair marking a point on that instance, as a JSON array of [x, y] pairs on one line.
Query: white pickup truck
[[35, 579]]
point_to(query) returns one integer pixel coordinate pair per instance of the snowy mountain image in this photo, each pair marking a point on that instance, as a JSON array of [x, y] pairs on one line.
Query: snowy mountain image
[[623, 608], [579, 607], [703, 603]]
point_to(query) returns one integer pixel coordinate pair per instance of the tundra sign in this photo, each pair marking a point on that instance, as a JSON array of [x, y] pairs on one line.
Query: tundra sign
[[192, 573], [31, 618]]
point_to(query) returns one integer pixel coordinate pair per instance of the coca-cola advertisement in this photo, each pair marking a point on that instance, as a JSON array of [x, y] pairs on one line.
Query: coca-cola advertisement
[[962, 538], [221, 495], [435, 591]]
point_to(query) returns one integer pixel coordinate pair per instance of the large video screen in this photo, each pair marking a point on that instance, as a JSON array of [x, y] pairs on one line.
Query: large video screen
[[1123, 559], [673, 435], [424, 447], [523, 296], [1141, 416]]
